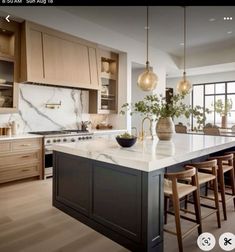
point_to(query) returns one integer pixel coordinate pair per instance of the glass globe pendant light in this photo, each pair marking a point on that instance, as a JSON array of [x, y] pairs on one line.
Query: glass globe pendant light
[[147, 81], [184, 86]]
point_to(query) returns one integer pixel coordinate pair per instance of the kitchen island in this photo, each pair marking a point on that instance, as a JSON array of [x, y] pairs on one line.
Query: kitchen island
[[119, 191]]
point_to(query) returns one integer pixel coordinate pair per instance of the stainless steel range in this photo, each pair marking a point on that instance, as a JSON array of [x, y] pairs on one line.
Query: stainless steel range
[[62, 136]]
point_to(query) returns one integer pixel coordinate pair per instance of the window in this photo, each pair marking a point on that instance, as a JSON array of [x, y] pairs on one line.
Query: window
[[206, 94]]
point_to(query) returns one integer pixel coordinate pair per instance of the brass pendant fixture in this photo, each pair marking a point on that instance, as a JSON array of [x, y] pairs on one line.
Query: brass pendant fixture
[[147, 81], [184, 86]]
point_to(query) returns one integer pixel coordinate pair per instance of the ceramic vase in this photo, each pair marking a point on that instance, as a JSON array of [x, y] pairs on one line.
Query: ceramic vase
[[224, 121], [165, 128], [105, 66]]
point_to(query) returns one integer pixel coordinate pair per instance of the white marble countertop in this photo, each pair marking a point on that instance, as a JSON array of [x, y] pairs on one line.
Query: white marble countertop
[[107, 131], [20, 136], [150, 154]]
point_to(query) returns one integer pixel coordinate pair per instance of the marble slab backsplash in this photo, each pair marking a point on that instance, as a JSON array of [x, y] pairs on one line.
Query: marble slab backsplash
[[34, 116]]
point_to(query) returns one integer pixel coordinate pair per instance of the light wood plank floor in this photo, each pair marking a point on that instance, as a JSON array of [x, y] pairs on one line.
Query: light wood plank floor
[[29, 223]]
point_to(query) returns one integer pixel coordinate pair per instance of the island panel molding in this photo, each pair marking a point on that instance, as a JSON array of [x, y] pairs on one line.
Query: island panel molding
[[121, 203]]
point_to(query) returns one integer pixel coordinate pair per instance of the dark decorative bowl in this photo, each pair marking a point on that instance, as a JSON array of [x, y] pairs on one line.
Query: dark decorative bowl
[[126, 142]]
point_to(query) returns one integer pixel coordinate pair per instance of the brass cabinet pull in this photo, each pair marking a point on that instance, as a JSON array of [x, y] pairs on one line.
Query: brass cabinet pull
[[25, 170], [25, 144], [25, 156]]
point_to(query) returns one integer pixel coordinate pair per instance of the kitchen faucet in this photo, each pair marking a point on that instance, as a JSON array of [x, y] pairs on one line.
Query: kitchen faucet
[[150, 128]]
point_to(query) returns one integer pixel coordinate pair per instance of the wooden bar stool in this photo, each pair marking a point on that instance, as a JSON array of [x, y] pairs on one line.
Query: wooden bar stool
[[225, 164], [176, 191], [207, 173]]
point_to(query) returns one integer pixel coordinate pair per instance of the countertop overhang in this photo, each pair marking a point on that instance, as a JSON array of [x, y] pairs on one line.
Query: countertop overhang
[[148, 155]]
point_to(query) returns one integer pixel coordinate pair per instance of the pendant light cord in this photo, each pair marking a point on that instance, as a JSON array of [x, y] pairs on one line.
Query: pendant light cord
[[147, 42], [184, 74]]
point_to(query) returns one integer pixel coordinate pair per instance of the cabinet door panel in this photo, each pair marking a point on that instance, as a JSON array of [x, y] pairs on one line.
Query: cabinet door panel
[[35, 57], [65, 61], [73, 181], [93, 67]]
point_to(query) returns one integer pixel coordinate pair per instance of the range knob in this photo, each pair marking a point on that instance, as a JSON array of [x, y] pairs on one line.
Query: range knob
[[64, 140], [87, 137], [54, 140], [79, 138], [48, 141], [58, 140], [72, 140]]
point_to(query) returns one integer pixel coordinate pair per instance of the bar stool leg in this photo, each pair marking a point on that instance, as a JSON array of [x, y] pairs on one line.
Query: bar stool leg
[[176, 206], [216, 196], [232, 179], [222, 189], [197, 210], [165, 209]]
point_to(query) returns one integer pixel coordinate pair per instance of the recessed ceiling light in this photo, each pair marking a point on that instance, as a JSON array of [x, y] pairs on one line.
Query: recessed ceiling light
[[230, 32], [182, 43], [212, 19]]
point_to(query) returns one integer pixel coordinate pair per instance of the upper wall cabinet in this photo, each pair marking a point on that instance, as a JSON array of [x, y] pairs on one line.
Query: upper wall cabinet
[[9, 66], [55, 58]]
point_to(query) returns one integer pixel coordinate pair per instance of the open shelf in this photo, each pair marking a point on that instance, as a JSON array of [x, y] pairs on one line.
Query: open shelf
[[105, 100]]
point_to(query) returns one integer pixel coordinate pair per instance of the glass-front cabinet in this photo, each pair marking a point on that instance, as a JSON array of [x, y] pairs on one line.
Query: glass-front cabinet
[[9, 66]]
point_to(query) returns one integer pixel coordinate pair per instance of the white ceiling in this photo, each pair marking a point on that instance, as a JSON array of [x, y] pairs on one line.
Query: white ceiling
[[166, 25]]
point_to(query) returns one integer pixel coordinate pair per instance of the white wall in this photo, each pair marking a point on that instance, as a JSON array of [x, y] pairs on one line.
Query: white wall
[[66, 22]]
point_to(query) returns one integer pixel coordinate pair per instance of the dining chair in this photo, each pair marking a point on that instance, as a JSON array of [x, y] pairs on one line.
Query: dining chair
[[211, 131], [233, 128], [180, 128]]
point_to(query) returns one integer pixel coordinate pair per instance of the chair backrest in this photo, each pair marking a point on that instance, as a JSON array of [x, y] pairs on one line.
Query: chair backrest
[[233, 128], [189, 171], [180, 128], [211, 131], [206, 166]]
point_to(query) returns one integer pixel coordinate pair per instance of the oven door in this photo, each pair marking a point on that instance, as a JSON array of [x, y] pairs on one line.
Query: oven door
[[48, 162]]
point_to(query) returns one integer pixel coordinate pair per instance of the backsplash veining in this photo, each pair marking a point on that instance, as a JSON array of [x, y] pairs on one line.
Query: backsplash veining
[[34, 116]]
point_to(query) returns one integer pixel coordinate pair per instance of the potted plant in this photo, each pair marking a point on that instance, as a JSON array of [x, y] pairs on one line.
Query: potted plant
[[223, 108], [157, 108]]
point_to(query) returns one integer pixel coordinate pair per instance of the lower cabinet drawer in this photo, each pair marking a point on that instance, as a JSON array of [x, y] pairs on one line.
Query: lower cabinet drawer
[[28, 157], [26, 144], [15, 172]]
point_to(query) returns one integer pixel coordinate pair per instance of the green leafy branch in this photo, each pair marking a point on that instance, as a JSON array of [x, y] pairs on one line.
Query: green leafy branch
[[156, 107]]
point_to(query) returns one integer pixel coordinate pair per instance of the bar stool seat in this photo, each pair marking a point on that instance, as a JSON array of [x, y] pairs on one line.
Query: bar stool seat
[[227, 167], [183, 189], [204, 177], [175, 191]]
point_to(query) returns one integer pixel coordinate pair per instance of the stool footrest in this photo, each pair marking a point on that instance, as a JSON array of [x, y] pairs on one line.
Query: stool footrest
[[184, 234]]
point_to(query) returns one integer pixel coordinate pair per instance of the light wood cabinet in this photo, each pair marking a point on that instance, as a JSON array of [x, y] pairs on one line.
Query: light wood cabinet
[[9, 66], [59, 58], [20, 159], [104, 101]]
